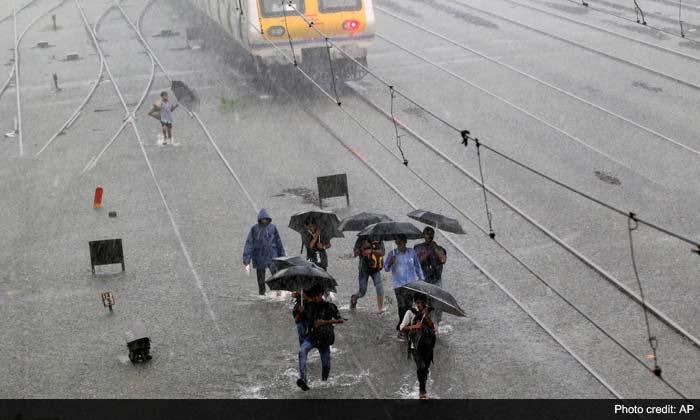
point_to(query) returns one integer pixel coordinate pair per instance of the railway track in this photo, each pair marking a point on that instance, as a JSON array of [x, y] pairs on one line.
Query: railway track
[[605, 110], [669, 322], [130, 112], [130, 120]]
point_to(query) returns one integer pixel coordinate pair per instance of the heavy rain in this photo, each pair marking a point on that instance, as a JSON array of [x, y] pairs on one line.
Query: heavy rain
[[467, 199]]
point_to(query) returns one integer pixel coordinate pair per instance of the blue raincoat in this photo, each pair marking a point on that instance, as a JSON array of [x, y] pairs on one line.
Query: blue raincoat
[[263, 243]]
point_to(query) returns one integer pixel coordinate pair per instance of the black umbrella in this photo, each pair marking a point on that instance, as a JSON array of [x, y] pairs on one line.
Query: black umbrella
[[361, 221], [186, 96], [388, 231], [298, 278], [326, 220], [438, 221], [296, 260], [438, 297]]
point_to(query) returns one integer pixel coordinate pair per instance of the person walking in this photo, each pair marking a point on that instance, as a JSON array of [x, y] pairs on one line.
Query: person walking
[[432, 260], [417, 323], [320, 316], [316, 243], [405, 267], [262, 245], [163, 110], [371, 262]]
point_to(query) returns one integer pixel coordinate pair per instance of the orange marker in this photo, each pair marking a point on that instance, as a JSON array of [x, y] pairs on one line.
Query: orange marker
[[98, 197]]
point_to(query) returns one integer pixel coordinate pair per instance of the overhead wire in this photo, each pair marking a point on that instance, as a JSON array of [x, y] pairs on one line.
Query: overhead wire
[[638, 11], [519, 260], [490, 233], [680, 19], [632, 225], [459, 130], [599, 10], [481, 269]]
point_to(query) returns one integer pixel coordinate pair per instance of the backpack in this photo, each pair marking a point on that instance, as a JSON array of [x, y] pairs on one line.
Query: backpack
[[324, 335], [422, 337], [375, 263]]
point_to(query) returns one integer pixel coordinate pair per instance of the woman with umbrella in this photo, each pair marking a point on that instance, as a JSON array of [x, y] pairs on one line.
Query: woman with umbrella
[[316, 228], [421, 339], [316, 243], [420, 327]]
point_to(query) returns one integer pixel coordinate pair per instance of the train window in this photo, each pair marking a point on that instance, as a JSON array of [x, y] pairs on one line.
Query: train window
[[339, 5], [272, 8]]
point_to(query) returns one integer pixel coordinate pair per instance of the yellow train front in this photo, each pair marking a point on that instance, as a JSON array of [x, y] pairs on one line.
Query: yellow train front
[[258, 24]]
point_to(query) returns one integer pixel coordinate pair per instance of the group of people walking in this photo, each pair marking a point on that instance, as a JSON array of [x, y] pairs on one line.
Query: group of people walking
[[314, 317]]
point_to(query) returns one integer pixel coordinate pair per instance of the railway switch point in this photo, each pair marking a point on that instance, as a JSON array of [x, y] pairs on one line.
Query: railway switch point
[[72, 57], [42, 44], [112, 214]]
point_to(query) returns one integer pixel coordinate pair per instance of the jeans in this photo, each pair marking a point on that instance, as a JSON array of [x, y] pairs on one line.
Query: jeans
[[364, 279], [260, 272], [435, 314], [404, 301], [325, 353], [301, 332], [423, 356]]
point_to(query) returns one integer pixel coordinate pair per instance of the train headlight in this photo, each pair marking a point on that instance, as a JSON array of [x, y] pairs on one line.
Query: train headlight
[[351, 25], [275, 31]]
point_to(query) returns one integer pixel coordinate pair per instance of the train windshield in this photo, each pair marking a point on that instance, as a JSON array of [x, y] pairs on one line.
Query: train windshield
[[339, 5], [271, 8]]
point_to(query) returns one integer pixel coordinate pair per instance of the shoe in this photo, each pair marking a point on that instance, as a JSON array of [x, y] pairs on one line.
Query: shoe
[[302, 384], [401, 335], [353, 301]]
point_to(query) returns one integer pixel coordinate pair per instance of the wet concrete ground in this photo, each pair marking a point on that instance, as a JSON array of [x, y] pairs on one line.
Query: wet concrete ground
[[213, 337]]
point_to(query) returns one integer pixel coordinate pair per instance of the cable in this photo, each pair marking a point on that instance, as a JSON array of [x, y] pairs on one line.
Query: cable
[[591, 264], [286, 28], [392, 94], [330, 65], [653, 342], [637, 11], [631, 20], [680, 20], [492, 234], [466, 136]]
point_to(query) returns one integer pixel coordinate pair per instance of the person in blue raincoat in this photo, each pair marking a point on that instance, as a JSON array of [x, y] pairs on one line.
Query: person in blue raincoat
[[262, 245]]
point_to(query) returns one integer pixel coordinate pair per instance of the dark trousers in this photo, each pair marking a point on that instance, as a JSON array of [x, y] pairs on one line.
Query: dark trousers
[[260, 272], [423, 356], [404, 301]]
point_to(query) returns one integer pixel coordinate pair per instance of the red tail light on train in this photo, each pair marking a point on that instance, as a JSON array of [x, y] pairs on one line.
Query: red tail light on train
[[351, 25]]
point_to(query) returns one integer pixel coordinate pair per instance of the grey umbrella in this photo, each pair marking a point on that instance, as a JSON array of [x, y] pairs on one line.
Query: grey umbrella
[[389, 231], [361, 221], [298, 278], [439, 298], [185, 95], [438, 221], [326, 220], [296, 260]]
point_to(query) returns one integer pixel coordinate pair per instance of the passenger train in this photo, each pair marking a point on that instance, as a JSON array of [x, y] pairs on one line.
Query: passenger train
[[255, 24]]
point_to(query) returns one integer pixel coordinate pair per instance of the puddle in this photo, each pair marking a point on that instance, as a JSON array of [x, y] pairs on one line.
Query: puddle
[[474, 20], [606, 177], [307, 195], [641, 29], [577, 10], [645, 86], [411, 392], [398, 8]]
